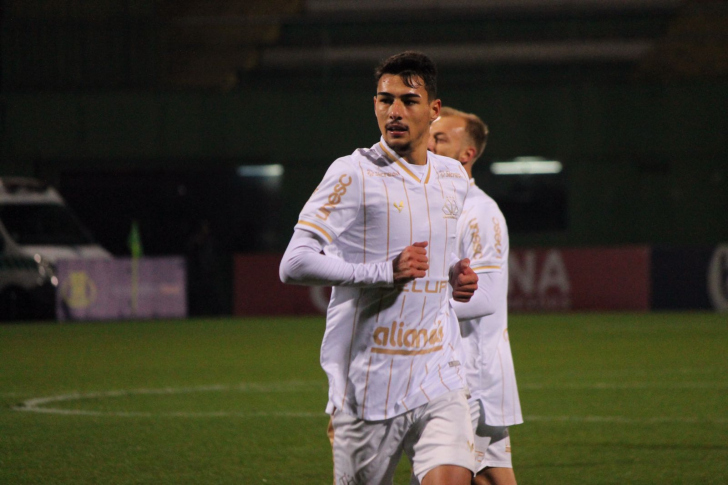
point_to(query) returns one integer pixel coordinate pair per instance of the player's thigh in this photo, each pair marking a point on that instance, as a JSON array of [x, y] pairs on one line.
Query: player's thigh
[[366, 452], [492, 443], [442, 435]]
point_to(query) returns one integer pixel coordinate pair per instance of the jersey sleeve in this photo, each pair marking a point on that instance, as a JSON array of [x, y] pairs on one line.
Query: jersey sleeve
[[485, 238], [334, 205]]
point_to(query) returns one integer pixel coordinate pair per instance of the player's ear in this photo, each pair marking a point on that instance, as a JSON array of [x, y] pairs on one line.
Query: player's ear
[[468, 155], [435, 109]]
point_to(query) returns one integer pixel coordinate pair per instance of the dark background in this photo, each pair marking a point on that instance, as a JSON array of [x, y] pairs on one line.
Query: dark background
[[144, 110]]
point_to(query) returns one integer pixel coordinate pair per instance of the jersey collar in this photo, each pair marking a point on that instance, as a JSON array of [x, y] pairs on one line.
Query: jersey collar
[[403, 164]]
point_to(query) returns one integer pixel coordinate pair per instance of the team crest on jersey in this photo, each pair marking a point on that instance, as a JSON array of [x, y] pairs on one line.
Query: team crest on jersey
[[451, 209], [399, 206]]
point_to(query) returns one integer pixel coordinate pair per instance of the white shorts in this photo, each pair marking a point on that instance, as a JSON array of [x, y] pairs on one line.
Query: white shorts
[[434, 434], [492, 443]]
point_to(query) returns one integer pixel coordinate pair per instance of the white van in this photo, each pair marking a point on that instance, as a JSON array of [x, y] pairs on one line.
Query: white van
[[36, 230]]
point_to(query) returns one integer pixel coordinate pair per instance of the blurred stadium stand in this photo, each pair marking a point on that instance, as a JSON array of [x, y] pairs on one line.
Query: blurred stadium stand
[[630, 95]]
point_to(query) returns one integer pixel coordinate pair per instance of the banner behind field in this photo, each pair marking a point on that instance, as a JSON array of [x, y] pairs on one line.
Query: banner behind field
[[633, 278], [579, 279], [121, 288]]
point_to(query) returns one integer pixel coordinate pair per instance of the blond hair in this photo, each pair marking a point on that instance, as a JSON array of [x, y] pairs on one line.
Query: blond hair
[[476, 130]]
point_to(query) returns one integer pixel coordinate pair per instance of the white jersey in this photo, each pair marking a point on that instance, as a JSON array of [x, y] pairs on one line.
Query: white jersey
[[389, 350], [483, 237]]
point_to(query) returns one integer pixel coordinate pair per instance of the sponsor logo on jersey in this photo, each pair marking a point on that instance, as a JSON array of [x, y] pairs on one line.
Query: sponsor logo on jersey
[[475, 239], [334, 198], [375, 173], [399, 340], [449, 174], [451, 209], [498, 236], [436, 287]]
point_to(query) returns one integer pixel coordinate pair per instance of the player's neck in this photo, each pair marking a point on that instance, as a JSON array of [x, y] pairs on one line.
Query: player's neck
[[417, 156]]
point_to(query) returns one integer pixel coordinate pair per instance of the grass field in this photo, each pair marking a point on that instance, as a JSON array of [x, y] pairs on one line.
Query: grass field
[[607, 398]]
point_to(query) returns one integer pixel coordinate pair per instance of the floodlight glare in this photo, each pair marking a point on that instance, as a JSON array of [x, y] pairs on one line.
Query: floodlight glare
[[274, 170], [526, 166]]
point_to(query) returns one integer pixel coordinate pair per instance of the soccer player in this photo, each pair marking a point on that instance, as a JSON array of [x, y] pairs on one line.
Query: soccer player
[[483, 238], [385, 218]]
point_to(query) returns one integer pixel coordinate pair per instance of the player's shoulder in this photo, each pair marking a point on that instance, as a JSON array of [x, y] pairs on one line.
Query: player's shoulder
[[447, 167], [367, 158], [480, 198], [350, 164]]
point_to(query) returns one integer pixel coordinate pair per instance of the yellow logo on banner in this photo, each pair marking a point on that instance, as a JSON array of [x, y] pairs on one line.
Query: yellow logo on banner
[[78, 291]]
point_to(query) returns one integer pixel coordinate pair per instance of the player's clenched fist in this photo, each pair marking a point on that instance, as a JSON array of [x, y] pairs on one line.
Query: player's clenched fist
[[464, 281], [411, 263]]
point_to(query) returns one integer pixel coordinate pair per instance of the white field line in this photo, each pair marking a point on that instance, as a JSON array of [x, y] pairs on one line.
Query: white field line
[[628, 420], [627, 385], [37, 405]]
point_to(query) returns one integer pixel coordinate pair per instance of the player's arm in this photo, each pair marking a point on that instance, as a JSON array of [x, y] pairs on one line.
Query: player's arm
[[304, 264], [485, 240], [483, 301]]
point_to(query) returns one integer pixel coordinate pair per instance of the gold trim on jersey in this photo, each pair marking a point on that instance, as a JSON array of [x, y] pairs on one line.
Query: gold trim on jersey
[[366, 389], [429, 223], [318, 228], [399, 208], [409, 208], [389, 386], [364, 205], [351, 345], [478, 268], [393, 158], [377, 350]]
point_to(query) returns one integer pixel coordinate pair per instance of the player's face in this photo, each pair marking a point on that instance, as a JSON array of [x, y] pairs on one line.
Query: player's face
[[404, 114], [448, 137]]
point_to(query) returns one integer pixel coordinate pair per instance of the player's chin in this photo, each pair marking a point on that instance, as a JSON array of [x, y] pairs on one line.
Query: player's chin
[[397, 141]]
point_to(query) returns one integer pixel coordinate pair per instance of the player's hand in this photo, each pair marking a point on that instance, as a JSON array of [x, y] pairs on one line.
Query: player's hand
[[464, 281], [411, 263]]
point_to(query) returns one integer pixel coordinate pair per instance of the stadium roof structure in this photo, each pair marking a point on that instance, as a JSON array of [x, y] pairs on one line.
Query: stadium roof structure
[[335, 39]]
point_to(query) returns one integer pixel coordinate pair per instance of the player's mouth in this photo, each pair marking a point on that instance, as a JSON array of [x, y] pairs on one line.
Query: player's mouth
[[397, 129]]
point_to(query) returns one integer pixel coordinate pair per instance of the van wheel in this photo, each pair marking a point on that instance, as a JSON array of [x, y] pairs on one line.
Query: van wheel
[[14, 304]]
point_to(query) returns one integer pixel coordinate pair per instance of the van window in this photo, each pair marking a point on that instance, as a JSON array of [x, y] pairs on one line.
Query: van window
[[43, 225]]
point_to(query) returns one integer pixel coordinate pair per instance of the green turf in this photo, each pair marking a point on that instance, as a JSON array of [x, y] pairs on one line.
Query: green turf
[[608, 398]]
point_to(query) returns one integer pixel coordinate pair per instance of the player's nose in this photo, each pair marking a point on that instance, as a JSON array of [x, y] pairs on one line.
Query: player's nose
[[395, 111]]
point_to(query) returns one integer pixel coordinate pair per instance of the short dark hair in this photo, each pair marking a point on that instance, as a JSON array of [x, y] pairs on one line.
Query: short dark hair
[[410, 65]]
